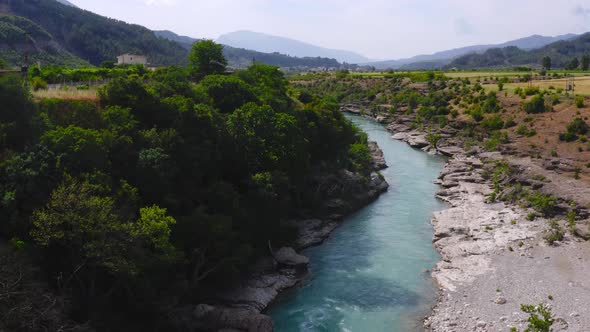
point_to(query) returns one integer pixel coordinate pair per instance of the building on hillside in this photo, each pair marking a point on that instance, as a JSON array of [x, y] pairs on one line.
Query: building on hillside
[[131, 59]]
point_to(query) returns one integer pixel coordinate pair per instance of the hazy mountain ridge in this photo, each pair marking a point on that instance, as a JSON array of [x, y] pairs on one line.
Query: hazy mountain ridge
[[561, 52], [240, 57], [269, 44], [442, 58]]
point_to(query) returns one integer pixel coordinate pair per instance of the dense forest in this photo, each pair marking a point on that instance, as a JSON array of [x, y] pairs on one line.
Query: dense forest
[[38, 42], [173, 183], [562, 54]]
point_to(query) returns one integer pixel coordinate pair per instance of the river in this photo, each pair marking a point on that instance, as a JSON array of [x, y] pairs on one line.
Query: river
[[371, 274]]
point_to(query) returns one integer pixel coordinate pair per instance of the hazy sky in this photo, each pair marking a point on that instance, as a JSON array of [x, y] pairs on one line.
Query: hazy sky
[[375, 28]]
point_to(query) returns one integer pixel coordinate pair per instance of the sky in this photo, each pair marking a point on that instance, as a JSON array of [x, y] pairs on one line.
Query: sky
[[378, 29]]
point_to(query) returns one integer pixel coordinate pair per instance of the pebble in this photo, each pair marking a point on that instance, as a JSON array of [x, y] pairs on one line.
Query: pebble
[[481, 324], [500, 300], [574, 314]]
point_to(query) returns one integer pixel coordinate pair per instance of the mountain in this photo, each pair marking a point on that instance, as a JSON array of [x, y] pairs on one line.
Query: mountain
[[66, 2], [240, 57], [67, 35], [39, 43], [270, 44], [92, 37], [561, 53], [443, 58]]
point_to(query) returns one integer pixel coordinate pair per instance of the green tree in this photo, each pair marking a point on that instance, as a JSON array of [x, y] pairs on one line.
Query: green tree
[[16, 114], [585, 62], [206, 58], [573, 65], [226, 93], [267, 140], [78, 150], [546, 62], [153, 227]]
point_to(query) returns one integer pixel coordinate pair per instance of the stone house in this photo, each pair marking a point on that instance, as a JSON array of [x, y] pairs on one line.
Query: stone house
[[131, 59]]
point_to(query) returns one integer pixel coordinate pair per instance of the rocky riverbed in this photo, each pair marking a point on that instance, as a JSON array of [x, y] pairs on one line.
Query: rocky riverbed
[[493, 257]]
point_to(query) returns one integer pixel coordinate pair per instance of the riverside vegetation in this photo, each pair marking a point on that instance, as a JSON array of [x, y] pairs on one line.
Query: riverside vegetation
[[518, 187], [169, 186]]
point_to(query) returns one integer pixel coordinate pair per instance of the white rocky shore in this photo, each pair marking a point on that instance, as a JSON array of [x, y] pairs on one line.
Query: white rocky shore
[[492, 258]]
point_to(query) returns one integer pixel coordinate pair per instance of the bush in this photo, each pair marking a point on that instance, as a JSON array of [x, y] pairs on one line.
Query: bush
[[543, 204], [535, 105], [554, 233], [579, 102], [525, 131], [577, 127], [540, 319], [37, 83], [493, 123]]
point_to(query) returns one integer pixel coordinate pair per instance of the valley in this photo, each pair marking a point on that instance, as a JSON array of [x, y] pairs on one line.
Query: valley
[[153, 181]]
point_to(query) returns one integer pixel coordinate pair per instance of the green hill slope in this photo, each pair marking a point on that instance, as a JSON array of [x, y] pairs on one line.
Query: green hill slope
[[93, 37], [38, 42]]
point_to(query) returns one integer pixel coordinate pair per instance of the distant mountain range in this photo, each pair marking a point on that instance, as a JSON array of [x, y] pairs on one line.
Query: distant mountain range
[[268, 43], [443, 58], [63, 34], [560, 52], [240, 57]]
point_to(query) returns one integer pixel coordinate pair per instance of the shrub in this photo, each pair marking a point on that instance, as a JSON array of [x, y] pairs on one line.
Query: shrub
[[543, 204], [540, 319], [535, 105], [579, 102], [554, 233], [577, 127], [525, 131], [493, 123], [37, 83]]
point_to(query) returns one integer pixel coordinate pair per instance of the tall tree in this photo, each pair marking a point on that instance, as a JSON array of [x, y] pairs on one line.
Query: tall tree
[[546, 62], [206, 58], [585, 62], [574, 64]]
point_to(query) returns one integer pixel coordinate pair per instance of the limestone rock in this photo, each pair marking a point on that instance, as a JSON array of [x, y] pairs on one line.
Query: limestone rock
[[289, 257]]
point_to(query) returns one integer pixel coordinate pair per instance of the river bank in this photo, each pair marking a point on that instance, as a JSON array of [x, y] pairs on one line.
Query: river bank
[[241, 307], [494, 257]]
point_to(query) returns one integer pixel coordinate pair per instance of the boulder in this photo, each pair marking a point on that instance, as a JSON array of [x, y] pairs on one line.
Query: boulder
[[582, 230], [418, 141], [206, 317], [289, 257], [378, 158]]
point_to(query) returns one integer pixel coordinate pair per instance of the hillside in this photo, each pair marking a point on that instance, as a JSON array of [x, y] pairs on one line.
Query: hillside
[[269, 44], [240, 58], [561, 53], [93, 37], [39, 43], [440, 59]]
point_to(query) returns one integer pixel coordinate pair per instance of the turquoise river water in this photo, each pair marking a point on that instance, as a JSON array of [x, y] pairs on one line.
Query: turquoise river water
[[370, 275]]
